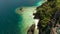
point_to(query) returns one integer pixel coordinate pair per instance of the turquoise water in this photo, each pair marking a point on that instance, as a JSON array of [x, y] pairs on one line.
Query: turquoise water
[[27, 17], [9, 19]]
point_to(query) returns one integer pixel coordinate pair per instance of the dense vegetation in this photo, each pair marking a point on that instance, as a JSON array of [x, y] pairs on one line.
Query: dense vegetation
[[49, 15]]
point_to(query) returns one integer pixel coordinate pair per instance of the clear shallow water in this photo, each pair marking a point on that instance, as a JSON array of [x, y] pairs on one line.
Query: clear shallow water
[[27, 19], [9, 19]]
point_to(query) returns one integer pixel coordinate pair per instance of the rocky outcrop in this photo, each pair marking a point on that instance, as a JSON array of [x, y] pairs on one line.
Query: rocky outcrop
[[31, 29]]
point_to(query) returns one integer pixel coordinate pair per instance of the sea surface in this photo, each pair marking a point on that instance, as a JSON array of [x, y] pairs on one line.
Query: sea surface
[[9, 19]]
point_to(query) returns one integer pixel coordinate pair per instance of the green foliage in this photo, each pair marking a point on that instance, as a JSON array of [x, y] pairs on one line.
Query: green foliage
[[58, 3], [46, 11], [44, 22]]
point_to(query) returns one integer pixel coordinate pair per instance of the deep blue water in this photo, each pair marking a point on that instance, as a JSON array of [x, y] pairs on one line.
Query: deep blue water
[[8, 17]]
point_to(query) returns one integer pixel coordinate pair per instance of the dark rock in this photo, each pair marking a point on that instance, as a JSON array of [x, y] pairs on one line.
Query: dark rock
[[31, 29]]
